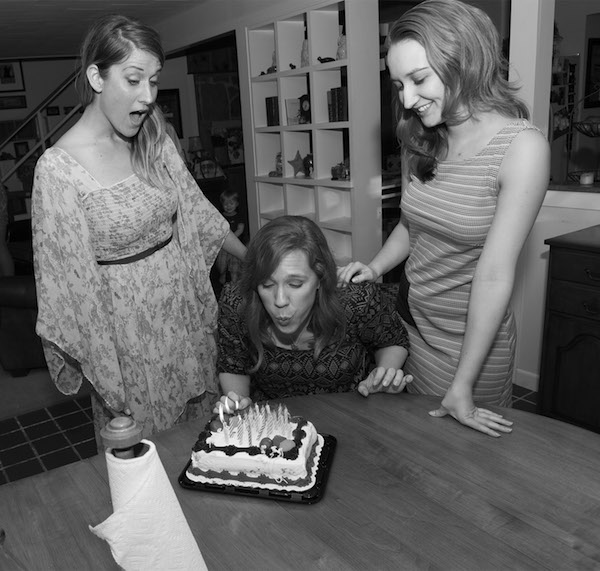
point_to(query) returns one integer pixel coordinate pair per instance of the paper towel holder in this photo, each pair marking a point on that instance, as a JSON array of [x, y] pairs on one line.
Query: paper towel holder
[[124, 437]]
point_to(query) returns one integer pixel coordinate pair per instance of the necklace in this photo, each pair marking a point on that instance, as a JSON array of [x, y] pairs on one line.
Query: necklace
[[301, 342]]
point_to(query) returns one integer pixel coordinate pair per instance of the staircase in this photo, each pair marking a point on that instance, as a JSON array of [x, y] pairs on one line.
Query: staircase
[[21, 149]]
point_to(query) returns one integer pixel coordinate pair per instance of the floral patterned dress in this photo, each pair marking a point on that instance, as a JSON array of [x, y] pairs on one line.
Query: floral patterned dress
[[372, 322], [142, 333]]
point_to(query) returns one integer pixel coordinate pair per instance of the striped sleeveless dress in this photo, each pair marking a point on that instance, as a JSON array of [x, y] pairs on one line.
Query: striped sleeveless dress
[[448, 221]]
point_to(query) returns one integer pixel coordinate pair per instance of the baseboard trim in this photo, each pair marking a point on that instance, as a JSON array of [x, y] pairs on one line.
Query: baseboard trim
[[527, 380]]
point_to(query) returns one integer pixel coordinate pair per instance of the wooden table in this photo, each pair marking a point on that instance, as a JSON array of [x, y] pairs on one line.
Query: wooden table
[[406, 491]]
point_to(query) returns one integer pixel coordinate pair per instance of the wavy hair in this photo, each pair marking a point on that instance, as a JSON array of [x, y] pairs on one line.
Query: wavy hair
[[464, 49], [110, 41], [267, 248]]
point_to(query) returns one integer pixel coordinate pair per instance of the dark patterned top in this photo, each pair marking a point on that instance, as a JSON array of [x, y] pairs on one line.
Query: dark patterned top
[[372, 322]]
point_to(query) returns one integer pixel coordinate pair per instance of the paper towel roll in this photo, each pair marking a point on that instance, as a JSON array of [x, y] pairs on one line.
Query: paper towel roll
[[147, 530]]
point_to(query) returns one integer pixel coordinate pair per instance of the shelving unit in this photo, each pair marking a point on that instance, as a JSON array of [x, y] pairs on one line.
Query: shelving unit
[[563, 100], [296, 55]]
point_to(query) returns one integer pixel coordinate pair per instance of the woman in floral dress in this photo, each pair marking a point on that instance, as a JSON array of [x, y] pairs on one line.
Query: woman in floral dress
[[123, 245]]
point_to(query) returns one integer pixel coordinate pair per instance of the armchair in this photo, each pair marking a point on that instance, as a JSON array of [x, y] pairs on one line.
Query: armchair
[[20, 347]]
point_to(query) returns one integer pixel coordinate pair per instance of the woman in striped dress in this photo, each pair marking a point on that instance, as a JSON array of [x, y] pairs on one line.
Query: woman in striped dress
[[475, 172]]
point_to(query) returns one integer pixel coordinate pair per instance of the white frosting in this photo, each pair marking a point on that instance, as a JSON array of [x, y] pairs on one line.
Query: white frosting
[[257, 465], [247, 429], [277, 483]]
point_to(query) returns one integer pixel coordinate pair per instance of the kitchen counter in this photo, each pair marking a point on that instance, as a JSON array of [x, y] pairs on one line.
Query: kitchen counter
[[574, 187]]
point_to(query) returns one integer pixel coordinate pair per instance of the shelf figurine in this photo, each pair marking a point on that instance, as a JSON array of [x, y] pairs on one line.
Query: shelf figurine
[[298, 164], [278, 166], [341, 171], [307, 163], [273, 67]]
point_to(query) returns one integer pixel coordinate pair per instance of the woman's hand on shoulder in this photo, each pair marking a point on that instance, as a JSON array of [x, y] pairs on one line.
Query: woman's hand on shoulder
[[231, 402], [384, 380], [355, 272], [461, 407]]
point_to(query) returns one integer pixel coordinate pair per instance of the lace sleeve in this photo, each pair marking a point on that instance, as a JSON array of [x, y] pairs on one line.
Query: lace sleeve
[[234, 355]]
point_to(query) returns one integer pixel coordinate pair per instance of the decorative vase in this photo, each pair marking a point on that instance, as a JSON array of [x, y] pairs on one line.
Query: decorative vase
[[304, 54], [341, 49]]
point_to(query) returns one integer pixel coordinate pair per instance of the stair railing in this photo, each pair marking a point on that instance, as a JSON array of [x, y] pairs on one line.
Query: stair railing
[[44, 135]]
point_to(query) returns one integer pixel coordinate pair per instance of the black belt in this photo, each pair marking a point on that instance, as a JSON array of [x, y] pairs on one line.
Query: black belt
[[136, 257]]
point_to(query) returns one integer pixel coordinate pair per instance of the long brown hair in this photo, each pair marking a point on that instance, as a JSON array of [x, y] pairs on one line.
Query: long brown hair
[[266, 250], [109, 41], [464, 49]]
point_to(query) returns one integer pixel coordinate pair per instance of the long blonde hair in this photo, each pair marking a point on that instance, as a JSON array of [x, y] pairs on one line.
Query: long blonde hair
[[110, 41]]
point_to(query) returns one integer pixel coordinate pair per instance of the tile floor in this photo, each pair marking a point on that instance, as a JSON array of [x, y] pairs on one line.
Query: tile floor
[[524, 399], [37, 441], [62, 433]]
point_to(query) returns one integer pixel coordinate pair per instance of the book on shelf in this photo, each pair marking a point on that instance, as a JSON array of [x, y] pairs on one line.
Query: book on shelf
[[272, 104], [332, 102], [337, 104]]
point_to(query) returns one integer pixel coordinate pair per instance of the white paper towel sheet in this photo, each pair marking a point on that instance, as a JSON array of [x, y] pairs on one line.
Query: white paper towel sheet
[[147, 530]]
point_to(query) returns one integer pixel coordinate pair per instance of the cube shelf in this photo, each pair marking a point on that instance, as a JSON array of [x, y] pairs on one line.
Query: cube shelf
[[295, 55]]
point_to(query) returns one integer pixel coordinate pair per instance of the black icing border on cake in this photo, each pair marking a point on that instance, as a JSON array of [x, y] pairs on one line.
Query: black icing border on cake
[[309, 496]]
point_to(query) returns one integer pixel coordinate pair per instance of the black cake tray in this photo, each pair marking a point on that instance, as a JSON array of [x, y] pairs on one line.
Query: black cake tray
[[310, 496]]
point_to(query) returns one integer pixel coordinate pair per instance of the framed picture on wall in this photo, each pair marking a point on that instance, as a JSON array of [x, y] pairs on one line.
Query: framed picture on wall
[[13, 102], [11, 76], [168, 101], [592, 74]]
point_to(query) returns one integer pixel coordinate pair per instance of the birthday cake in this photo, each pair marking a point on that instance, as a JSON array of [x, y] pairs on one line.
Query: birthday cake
[[258, 447]]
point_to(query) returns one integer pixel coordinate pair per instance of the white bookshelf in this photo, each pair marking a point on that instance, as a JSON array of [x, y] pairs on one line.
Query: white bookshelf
[[349, 211]]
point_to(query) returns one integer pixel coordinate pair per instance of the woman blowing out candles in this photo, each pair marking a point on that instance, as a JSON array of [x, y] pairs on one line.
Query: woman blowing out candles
[[475, 172], [124, 241], [286, 329]]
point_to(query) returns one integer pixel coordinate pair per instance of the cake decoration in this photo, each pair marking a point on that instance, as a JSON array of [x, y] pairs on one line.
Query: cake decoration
[[259, 446]]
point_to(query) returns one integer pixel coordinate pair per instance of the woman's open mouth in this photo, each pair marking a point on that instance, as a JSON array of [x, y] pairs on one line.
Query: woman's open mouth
[[137, 117]]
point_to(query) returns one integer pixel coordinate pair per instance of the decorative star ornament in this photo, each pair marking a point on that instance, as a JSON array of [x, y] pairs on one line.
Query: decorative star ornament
[[298, 164]]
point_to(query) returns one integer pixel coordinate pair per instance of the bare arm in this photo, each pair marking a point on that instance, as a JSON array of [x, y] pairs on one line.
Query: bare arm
[[239, 384], [523, 182], [394, 251], [240, 229], [387, 376], [233, 246]]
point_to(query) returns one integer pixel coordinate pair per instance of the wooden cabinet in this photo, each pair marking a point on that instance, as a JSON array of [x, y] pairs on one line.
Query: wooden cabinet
[[570, 367], [313, 103]]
